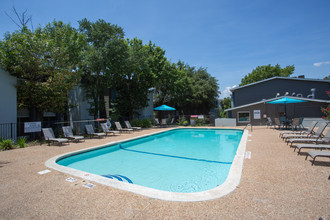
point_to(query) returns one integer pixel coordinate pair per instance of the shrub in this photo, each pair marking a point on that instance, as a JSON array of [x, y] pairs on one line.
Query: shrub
[[7, 144], [200, 122], [183, 121], [144, 123], [21, 142]]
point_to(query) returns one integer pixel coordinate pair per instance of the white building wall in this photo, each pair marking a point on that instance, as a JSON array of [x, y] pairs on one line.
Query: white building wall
[[8, 104]]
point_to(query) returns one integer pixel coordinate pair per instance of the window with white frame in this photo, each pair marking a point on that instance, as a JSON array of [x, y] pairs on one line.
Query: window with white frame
[[243, 117]]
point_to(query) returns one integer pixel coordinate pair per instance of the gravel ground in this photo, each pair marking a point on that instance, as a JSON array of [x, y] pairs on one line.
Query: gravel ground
[[276, 184]]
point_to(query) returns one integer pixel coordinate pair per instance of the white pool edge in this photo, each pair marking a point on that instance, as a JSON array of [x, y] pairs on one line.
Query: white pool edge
[[232, 181]]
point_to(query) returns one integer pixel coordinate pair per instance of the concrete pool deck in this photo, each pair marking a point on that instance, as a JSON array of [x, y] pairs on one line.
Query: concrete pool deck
[[276, 183]]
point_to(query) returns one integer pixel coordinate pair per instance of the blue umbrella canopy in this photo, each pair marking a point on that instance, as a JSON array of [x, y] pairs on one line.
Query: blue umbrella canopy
[[164, 108], [286, 100]]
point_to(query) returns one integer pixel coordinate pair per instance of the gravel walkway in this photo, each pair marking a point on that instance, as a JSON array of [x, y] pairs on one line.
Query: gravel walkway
[[276, 184]]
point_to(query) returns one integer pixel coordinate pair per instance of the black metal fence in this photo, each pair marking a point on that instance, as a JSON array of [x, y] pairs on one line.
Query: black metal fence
[[15, 130], [8, 131]]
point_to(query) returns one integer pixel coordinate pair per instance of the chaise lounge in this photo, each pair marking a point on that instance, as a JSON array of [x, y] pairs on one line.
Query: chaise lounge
[[308, 131], [316, 138], [311, 146], [119, 128], [50, 137], [107, 131], [311, 133], [67, 131], [314, 153], [128, 125], [91, 132]]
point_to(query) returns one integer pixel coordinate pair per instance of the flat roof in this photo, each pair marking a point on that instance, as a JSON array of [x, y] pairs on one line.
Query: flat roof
[[279, 97], [280, 77]]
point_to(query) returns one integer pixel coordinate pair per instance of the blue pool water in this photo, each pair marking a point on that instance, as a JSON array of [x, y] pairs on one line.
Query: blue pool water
[[180, 160]]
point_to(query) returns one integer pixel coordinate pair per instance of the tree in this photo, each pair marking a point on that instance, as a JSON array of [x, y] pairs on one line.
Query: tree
[[265, 72], [133, 84], [46, 65], [170, 85], [105, 56], [225, 104], [204, 90]]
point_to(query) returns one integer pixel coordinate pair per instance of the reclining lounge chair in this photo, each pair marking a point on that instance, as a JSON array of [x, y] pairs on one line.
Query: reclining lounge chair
[[314, 153], [119, 128], [317, 138], [128, 125], [67, 131], [50, 137], [106, 129], [309, 131], [312, 146], [91, 132]]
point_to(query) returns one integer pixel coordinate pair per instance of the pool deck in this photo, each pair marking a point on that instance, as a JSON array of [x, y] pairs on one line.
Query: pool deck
[[276, 184]]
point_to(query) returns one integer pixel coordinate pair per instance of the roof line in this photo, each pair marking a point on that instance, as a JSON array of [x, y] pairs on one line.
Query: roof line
[[280, 77], [276, 98]]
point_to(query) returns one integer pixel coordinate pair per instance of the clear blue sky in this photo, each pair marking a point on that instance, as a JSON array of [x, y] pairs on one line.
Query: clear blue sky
[[230, 38]]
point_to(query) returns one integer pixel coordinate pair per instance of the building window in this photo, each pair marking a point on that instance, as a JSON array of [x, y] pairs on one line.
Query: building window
[[243, 117]]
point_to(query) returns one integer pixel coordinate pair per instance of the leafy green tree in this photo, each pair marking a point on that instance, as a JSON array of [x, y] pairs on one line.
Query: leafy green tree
[[172, 82], [265, 72], [133, 84], [46, 64], [105, 55], [225, 104], [204, 90]]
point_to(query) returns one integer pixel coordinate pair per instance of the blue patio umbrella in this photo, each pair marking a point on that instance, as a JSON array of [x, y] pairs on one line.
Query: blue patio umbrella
[[286, 100], [164, 108]]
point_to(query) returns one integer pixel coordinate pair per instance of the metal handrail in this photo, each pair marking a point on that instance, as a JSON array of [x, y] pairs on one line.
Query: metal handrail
[[247, 126]]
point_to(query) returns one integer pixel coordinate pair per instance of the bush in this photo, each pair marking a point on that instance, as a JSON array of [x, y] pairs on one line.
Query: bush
[[7, 144], [200, 122], [21, 142], [144, 123], [183, 121]]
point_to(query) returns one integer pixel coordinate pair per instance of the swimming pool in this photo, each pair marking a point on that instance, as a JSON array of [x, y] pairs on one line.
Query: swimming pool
[[179, 164]]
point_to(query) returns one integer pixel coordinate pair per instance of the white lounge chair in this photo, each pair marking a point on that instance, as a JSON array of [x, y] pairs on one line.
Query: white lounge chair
[[119, 128], [270, 123], [157, 122], [164, 122], [50, 137], [311, 146], [91, 132], [106, 129], [314, 153], [67, 131], [128, 125]]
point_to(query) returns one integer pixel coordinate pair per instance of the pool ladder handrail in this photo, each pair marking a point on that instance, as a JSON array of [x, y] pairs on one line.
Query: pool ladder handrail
[[247, 126]]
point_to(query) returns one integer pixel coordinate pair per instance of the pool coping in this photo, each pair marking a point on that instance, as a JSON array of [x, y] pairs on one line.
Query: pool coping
[[230, 184]]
